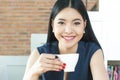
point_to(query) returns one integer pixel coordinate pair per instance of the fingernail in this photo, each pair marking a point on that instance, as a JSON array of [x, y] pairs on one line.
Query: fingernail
[[64, 64], [63, 67], [59, 69], [56, 57]]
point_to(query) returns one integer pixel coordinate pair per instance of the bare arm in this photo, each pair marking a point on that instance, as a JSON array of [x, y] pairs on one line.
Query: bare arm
[[31, 60], [38, 64], [97, 66]]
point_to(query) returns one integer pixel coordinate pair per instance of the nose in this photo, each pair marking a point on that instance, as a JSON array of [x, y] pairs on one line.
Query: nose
[[68, 29]]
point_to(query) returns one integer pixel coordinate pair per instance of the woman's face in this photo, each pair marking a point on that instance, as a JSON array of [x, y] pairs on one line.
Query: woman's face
[[68, 27]]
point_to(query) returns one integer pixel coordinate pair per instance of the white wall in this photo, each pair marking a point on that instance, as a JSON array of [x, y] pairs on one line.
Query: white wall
[[12, 67], [111, 29], [109, 16]]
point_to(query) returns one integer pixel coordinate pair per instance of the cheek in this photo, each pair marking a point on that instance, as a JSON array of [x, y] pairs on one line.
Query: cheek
[[57, 33], [80, 35], [79, 30], [57, 29]]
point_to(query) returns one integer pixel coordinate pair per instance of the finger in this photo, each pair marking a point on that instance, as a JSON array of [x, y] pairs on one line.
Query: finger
[[56, 57], [52, 66], [53, 69], [43, 67], [49, 56], [52, 61]]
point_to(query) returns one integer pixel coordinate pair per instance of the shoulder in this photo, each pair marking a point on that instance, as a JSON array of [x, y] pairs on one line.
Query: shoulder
[[45, 48], [89, 48], [89, 45]]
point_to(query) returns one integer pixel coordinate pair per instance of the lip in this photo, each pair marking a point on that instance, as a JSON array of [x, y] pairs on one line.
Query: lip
[[68, 38]]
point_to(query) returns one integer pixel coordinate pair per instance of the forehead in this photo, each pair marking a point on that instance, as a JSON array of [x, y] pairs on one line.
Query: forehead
[[68, 13]]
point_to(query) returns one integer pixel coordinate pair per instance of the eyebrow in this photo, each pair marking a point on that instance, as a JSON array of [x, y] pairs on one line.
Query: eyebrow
[[77, 19], [72, 20], [61, 19]]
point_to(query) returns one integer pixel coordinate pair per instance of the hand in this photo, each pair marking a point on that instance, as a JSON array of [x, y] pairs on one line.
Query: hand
[[48, 62]]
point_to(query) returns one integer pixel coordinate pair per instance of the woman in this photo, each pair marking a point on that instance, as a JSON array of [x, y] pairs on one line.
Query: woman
[[69, 31]]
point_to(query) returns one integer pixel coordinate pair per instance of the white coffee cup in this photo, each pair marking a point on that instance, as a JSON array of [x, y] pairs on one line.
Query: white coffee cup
[[70, 59]]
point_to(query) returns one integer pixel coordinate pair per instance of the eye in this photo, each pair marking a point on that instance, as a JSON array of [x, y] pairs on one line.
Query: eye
[[77, 23], [61, 23]]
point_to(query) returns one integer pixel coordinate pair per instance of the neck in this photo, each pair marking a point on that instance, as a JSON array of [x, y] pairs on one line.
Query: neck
[[64, 50]]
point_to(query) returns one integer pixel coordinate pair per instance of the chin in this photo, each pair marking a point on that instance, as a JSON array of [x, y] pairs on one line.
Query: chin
[[68, 45]]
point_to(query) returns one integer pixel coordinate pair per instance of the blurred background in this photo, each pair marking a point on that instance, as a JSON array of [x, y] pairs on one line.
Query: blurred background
[[91, 5], [23, 26], [20, 18]]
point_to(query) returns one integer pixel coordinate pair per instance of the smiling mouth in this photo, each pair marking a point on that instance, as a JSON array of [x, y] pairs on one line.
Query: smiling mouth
[[68, 38]]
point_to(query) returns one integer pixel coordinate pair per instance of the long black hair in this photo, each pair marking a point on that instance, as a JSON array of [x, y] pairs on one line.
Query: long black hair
[[79, 6]]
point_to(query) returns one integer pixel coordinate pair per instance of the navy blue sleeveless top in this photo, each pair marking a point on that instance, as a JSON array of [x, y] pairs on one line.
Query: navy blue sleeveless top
[[82, 70]]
